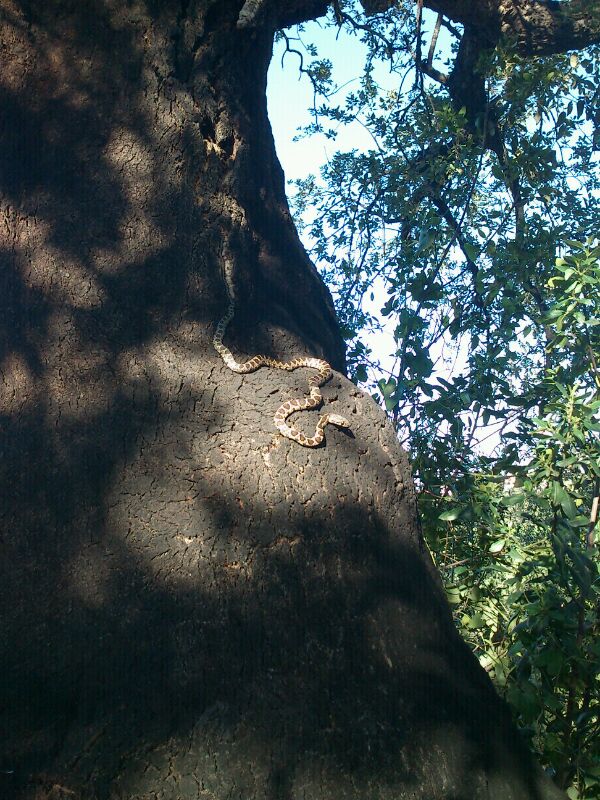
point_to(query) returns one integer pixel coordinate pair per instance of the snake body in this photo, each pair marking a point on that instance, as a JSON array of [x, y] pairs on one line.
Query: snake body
[[315, 398]]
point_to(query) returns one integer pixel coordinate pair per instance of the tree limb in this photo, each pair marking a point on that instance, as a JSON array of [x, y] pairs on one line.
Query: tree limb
[[255, 13], [533, 27], [434, 38], [250, 13]]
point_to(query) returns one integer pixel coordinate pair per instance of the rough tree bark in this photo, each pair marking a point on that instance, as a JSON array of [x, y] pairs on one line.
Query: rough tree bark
[[193, 606], [529, 27]]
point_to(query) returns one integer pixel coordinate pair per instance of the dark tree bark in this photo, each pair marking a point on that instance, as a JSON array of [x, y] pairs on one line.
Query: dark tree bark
[[193, 606], [529, 27]]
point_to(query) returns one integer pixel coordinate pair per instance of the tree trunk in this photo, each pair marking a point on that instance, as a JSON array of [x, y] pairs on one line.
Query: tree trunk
[[192, 605]]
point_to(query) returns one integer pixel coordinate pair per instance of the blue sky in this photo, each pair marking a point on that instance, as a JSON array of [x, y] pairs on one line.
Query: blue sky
[[290, 96]]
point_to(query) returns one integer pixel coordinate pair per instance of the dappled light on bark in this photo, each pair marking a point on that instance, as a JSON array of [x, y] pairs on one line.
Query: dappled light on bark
[[194, 606]]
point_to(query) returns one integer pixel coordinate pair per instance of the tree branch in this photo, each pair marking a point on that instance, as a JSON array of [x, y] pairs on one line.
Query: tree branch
[[294, 12], [533, 27], [433, 73], [434, 38]]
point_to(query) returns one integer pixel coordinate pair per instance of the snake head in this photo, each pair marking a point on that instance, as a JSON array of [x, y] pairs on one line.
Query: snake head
[[335, 419]]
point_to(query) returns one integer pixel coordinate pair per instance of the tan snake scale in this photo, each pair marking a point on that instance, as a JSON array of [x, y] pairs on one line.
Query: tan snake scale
[[315, 398]]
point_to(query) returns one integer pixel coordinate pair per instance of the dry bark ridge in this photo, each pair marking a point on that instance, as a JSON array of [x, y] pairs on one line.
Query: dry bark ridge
[[192, 606]]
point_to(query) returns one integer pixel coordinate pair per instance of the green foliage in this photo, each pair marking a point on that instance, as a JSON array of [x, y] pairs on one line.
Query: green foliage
[[528, 602], [474, 234], [516, 545]]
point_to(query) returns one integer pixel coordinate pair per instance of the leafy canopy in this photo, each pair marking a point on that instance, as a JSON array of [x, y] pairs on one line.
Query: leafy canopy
[[467, 232]]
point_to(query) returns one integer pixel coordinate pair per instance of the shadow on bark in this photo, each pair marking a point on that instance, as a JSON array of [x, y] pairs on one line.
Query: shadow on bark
[[321, 657], [193, 607]]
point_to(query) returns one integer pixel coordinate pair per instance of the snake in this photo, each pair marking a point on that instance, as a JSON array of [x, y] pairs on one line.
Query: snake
[[314, 399]]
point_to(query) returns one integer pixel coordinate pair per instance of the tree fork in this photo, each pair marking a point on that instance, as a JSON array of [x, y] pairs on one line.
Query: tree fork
[[192, 605]]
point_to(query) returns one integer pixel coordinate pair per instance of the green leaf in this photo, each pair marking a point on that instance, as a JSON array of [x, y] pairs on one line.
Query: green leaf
[[453, 595], [553, 662], [562, 498], [387, 387], [361, 373], [390, 402], [471, 251], [497, 546], [579, 521], [448, 516], [474, 621], [512, 500]]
